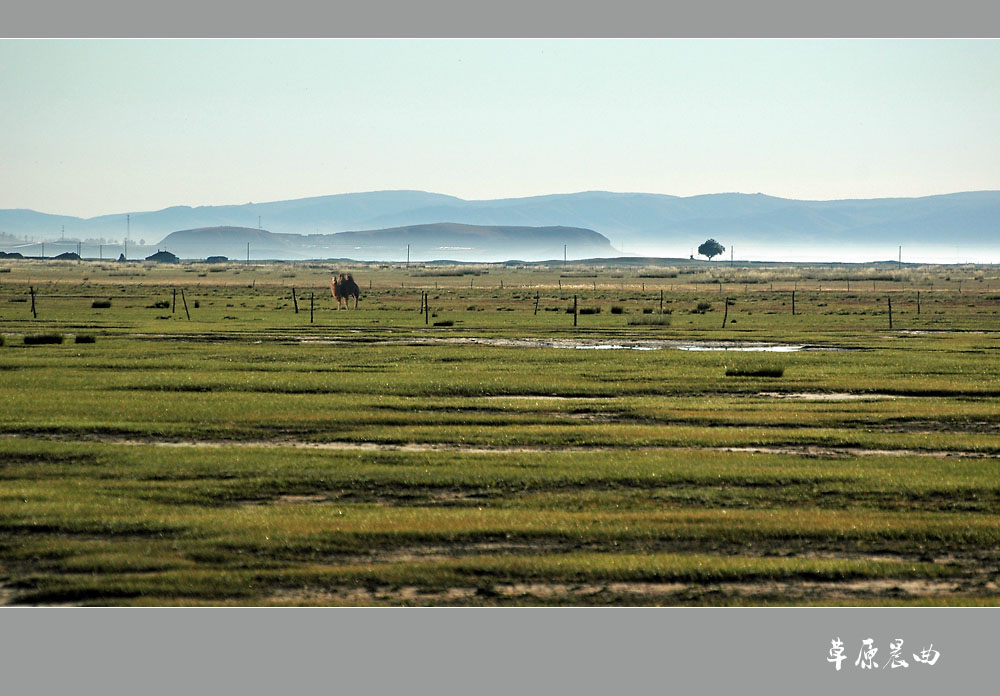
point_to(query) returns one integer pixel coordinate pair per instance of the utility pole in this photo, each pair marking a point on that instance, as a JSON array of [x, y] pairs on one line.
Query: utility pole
[[407, 255], [258, 223], [248, 253], [564, 253], [899, 264]]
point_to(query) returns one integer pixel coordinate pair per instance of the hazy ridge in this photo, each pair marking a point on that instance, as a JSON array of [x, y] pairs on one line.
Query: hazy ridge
[[639, 223]]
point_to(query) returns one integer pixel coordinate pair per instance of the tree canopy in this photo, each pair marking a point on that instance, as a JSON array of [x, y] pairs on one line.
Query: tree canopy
[[711, 248]]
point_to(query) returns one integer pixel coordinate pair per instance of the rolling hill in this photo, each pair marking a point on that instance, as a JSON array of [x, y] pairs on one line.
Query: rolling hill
[[426, 242]]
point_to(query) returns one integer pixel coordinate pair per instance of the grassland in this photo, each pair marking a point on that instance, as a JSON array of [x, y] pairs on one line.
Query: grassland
[[240, 452]]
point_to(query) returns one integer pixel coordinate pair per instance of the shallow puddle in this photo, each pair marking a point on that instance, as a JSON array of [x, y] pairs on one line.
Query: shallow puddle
[[829, 396], [761, 348], [639, 344]]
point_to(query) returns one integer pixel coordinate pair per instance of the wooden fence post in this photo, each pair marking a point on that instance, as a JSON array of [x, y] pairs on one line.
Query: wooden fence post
[[184, 300], [311, 295], [295, 301], [793, 303], [427, 309], [890, 312], [33, 312], [536, 303], [574, 310], [173, 309], [726, 315], [918, 302]]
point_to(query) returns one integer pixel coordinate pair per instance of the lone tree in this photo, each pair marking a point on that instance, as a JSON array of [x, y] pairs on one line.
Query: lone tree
[[711, 248]]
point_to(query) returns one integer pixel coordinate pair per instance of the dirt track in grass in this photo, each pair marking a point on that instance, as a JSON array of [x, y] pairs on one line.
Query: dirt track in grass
[[341, 445]]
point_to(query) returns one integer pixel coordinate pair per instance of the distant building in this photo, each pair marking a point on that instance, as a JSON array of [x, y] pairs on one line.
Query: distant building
[[163, 257]]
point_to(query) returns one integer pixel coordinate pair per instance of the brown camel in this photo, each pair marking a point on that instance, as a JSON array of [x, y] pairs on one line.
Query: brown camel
[[345, 288]]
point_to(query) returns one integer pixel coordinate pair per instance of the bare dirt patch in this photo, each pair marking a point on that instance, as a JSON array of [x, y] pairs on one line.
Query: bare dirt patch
[[300, 499], [545, 397], [670, 592], [845, 452], [340, 445], [6, 596]]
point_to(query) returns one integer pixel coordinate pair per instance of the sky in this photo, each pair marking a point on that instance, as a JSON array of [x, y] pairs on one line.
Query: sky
[[92, 127]]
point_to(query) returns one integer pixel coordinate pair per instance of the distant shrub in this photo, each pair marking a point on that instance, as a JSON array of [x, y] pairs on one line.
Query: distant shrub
[[2, 340], [584, 310], [647, 310], [83, 338], [5, 270], [160, 304], [100, 304], [37, 339], [703, 307], [647, 320], [197, 304], [444, 323], [617, 310], [446, 274], [755, 371]]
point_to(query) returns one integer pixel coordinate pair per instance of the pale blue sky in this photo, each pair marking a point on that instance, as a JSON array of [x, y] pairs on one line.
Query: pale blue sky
[[100, 126]]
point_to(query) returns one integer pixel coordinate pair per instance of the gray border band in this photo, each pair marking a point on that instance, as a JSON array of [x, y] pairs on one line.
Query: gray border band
[[513, 18]]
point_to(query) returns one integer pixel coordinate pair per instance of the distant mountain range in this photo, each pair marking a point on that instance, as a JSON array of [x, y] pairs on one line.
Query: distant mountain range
[[639, 222]]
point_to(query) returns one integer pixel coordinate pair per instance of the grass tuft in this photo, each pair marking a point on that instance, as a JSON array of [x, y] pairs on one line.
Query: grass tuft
[[755, 371], [38, 339], [650, 320]]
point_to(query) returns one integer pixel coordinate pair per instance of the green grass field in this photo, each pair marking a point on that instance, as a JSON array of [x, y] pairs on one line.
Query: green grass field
[[218, 447]]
